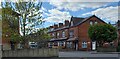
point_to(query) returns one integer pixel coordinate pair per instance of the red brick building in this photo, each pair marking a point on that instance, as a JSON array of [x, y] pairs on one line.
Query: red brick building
[[118, 25], [74, 33]]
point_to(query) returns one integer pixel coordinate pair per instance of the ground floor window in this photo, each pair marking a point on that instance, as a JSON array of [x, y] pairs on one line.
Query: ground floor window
[[61, 43], [55, 44], [84, 44], [50, 44], [69, 44]]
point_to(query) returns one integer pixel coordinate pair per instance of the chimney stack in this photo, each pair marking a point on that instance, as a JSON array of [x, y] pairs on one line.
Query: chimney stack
[[118, 23], [66, 22], [51, 26], [55, 26], [60, 24]]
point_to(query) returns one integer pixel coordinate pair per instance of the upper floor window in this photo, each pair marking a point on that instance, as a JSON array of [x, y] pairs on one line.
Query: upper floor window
[[96, 22], [53, 34], [71, 23], [91, 22], [71, 33], [61, 43], [63, 34], [58, 34]]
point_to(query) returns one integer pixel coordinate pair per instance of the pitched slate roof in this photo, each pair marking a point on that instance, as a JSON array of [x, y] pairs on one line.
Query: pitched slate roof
[[78, 21]]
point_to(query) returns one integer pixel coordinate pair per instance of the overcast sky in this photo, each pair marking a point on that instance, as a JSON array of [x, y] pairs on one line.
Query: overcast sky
[[55, 12]]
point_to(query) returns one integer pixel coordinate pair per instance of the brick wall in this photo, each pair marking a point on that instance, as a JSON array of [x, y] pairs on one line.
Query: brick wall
[[83, 32]]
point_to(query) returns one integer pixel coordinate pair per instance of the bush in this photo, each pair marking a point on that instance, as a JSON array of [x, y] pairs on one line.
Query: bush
[[108, 49], [118, 48]]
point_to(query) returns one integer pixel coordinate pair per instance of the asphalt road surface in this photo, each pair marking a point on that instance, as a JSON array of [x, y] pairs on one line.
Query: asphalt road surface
[[85, 54], [75, 55], [65, 58]]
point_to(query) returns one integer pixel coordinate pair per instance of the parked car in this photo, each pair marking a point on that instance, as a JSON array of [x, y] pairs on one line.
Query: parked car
[[33, 44]]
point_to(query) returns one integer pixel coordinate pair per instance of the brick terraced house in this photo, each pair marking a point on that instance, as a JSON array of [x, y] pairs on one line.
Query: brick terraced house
[[118, 26], [74, 33]]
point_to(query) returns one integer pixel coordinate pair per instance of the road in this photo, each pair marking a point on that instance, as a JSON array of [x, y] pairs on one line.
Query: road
[[84, 54], [77, 55], [64, 58]]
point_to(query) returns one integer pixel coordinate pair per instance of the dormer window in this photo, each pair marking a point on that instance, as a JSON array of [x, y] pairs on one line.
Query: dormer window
[[71, 23], [91, 22]]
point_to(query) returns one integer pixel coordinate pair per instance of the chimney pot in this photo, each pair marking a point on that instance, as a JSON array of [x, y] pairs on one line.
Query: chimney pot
[[66, 22], [55, 26], [60, 24]]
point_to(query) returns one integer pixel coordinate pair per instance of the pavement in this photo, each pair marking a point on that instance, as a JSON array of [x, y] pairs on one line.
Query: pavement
[[86, 54], [0, 54]]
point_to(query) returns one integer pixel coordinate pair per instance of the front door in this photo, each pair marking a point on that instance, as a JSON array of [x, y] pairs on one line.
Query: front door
[[94, 45], [76, 45]]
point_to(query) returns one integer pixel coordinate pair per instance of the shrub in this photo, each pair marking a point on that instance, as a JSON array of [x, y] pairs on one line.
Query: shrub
[[118, 48]]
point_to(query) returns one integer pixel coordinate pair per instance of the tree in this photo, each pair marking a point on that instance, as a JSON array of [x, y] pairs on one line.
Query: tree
[[102, 33], [10, 24], [44, 37], [41, 37], [30, 16], [15, 38]]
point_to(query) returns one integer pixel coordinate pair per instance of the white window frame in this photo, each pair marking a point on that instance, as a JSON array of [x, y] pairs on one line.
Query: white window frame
[[71, 33], [96, 22], [61, 43], [53, 34], [91, 22], [63, 34], [84, 44], [71, 23], [58, 34]]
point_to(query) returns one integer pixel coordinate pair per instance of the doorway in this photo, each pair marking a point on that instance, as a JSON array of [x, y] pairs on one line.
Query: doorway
[[94, 45]]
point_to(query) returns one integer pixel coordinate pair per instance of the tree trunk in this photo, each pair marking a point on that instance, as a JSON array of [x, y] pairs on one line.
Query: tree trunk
[[12, 45], [25, 41]]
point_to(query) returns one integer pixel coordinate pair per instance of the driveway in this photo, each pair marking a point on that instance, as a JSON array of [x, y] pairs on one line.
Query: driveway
[[85, 54]]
